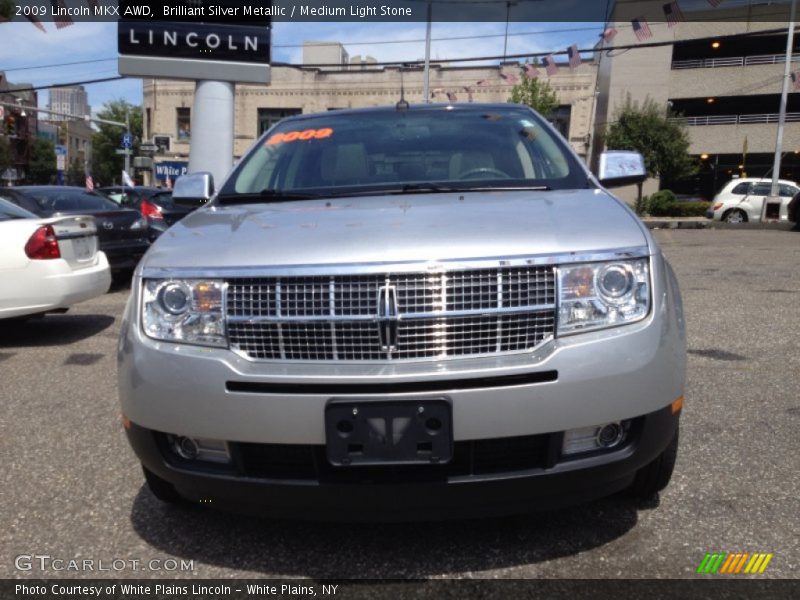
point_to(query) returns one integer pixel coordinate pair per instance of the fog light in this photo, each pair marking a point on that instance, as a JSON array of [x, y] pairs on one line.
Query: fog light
[[200, 449], [590, 439], [186, 448], [609, 435]]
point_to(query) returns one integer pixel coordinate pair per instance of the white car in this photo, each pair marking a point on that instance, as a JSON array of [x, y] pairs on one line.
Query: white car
[[48, 264], [741, 200]]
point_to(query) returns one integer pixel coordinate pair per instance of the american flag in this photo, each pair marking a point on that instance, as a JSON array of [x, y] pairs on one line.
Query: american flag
[[608, 34], [36, 23], [469, 93], [715, 3], [550, 66], [673, 13], [574, 57], [531, 72], [795, 80], [61, 20], [641, 29], [484, 82], [89, 182], [451, 97], [510, 78]]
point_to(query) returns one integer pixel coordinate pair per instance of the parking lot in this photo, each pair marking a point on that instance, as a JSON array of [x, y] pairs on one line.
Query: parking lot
[[72, 488]]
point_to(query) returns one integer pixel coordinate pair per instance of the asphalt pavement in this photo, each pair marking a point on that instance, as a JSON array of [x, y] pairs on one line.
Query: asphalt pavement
[[71, 488]]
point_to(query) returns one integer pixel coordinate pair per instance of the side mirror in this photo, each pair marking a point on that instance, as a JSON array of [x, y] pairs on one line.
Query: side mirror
[[621, 167], [194, 189]]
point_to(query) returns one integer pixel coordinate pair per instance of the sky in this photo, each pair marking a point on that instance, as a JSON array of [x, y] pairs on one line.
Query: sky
[[28, 55]]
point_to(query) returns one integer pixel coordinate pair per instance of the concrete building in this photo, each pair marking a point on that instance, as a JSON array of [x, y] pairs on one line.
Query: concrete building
[[167, 104], [70, 100], [725, 85]]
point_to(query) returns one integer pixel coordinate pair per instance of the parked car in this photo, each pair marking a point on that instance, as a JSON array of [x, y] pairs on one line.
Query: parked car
[[793, 210], [741, 200], [395, 313], [155, 204], [122, 232], [47, 265]]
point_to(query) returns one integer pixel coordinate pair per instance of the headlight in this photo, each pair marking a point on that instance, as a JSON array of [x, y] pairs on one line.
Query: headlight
[[600, 295], [184, 310]]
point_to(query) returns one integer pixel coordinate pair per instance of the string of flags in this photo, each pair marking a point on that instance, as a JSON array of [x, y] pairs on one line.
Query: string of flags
[[673, 15]]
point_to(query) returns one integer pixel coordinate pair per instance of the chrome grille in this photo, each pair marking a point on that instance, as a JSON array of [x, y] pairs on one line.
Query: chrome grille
[[411, 316]]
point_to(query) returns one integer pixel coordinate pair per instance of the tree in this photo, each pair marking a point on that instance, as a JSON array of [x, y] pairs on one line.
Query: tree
[[535, 93], [75, 174], [42, 165], [107, 165], [664, 143], [5, 153], [6, 9]]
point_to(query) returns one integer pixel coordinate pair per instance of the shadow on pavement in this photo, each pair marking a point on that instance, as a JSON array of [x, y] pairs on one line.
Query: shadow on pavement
[[52, 330], [408, 550]]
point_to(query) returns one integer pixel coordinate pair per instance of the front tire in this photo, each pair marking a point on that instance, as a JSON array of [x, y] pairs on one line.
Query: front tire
[[654, 477], [161, 489]]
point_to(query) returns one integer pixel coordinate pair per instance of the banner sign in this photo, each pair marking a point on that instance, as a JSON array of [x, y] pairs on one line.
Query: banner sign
[[171, 170]]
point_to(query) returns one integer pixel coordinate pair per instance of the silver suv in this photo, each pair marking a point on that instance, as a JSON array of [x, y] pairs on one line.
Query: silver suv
[[405, 312]]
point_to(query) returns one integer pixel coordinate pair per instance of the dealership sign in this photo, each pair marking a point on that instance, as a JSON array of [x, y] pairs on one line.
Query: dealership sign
[[171, 170], [196, 51]]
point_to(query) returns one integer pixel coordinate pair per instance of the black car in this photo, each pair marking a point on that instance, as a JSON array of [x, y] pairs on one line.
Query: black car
[[155, 204], [122, 232]]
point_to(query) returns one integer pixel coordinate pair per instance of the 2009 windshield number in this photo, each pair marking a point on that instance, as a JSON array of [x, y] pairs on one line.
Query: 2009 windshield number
[[307, 134]]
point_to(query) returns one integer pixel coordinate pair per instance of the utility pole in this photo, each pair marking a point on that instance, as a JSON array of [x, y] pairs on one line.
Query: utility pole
[[129, 150], [426, 88], [787, 69]]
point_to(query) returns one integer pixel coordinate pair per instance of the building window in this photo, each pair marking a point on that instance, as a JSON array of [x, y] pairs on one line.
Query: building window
[[267, 117], [560, 119], [184, 123]]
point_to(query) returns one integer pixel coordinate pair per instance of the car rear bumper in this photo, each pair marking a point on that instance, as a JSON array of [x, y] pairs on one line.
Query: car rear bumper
[[125, 254], [325, 492], [56, 285]]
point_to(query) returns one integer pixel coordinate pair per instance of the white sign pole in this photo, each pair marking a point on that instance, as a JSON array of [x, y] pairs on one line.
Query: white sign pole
[[212, 129]]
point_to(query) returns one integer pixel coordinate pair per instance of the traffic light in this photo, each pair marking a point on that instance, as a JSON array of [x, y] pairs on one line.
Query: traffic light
[[11, 124]]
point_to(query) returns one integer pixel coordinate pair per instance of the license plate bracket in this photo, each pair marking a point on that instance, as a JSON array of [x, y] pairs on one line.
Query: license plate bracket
[[388, 432]]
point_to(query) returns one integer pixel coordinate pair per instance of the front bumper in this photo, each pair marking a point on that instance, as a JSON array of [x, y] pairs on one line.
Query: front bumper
[[319, 491]]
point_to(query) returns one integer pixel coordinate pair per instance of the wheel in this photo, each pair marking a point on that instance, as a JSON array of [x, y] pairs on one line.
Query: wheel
[[163, 490], [471, 173], [735, 216], [654, 477]]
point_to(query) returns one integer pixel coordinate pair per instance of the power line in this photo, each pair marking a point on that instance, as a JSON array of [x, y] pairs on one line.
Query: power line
[[410, 63], [350, 43]]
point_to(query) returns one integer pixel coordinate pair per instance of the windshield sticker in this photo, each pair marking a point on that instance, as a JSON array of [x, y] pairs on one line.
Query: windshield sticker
[[306, 134]]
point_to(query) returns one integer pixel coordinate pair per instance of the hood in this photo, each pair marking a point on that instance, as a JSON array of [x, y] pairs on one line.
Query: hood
[[400, 228]]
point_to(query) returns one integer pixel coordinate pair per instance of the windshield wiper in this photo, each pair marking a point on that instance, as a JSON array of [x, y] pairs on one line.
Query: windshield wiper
[[266, 195]]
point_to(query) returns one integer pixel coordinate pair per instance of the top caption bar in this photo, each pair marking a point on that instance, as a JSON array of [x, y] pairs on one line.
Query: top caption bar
[[255, 12]]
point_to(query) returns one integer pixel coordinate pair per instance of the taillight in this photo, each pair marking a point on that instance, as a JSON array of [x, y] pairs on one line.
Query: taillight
[[43, 244], [151, 211]]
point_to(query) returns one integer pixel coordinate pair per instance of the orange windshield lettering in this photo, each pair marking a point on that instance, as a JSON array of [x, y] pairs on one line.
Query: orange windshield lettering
[[306, 134]]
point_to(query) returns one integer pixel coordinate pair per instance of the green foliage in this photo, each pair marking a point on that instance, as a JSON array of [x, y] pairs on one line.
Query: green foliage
[[664, 204], [5, 153], [535, 93], [106, 164], [75, 175], [6, 9], [664, 143], [42, 166]]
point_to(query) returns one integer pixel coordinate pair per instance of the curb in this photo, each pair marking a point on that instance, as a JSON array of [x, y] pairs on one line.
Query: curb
[[652, 223]]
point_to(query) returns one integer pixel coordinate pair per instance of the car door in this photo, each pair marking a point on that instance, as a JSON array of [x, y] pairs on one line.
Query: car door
[[754, 201]]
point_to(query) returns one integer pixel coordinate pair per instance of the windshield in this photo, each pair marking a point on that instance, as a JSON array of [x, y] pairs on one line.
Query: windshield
[[399, 151], [70, 199]]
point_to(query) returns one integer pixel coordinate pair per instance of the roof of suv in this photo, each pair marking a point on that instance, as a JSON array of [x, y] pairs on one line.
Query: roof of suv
[[434, 107]]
